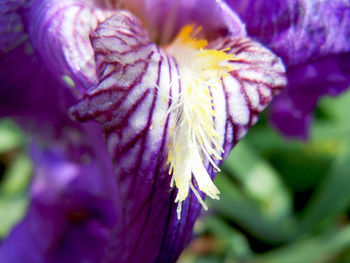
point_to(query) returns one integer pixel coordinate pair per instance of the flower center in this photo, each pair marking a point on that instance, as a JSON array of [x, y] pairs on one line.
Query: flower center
[[193, 139]]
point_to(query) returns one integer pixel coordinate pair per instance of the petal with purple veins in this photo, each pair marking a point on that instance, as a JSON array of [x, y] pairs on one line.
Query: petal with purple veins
[[138, 83]]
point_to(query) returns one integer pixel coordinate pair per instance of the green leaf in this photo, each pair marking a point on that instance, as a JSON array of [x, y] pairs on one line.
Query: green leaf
[[207, 259], [337, 109], [236, 243], [300, 164], [311, 249], [244, 211], [332, 197], [17, 176], [12, 209], [259, 181], [11, 136]]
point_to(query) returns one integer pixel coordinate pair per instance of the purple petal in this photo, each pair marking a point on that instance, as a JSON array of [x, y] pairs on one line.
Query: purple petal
[[28, 90], [164, 18], [313, 39], [307, 84], [288, 119], [74, 199], [135, 76], [258, 75], [70, 217], [11, 26], [59, 31], [291, 112], [298, 30]]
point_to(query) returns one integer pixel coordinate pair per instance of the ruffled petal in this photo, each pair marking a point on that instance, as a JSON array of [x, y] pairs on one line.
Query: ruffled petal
[[313, 39], [137, 83]]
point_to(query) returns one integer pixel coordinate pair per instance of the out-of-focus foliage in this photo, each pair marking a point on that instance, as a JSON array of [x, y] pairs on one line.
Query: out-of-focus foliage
[[15, 172], [282, 201]]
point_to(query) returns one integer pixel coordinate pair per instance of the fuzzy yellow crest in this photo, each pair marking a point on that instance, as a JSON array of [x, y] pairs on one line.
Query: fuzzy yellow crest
[[194, 142]]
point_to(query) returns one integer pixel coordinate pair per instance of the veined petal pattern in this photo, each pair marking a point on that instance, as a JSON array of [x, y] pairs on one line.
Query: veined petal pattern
[[137, 83]]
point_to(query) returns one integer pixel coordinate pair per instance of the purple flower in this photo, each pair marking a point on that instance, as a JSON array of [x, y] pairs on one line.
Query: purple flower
[[173, 84], [313, 40]]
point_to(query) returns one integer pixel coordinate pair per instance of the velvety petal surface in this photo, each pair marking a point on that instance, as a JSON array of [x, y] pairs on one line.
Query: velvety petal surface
[[28, 90], [313, 39], [11, 25], [137, 83], [70, 217], [298, 30], [292, 111]]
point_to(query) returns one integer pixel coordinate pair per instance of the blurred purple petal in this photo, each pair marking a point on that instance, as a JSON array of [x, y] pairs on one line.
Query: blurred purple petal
[[291, 121], [298, 30], [292, 111], [71, 214], [164, 18], [313, 39], [132, 102], [28, 90], [329, 75], [73, 208], [11, 26]]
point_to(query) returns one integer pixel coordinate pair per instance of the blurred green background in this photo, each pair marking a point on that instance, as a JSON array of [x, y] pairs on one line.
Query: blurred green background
[[15, 175], [282, 201]]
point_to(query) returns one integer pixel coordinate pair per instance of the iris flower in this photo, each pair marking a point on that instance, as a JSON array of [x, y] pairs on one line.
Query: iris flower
[[172, 86]]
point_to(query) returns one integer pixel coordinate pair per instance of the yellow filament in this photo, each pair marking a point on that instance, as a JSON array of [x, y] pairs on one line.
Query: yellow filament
[[193, 139]]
